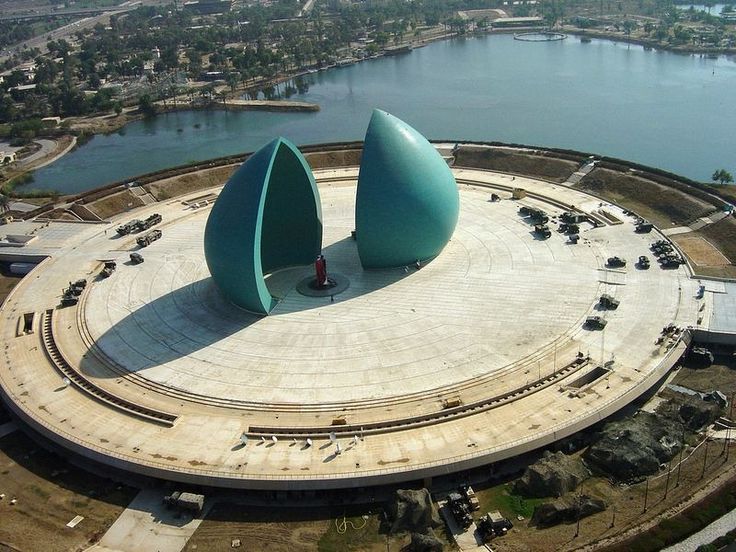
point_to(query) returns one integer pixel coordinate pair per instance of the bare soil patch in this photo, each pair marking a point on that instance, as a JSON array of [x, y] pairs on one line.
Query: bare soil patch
[[188, 183], [7, 282], [50, 492], [665, 495], [114, 204], [325, 160], [722, 234], [700, 251], [664, 206], [60, 214], [292, 529], [721, 375], [726, 190], [494, 159]]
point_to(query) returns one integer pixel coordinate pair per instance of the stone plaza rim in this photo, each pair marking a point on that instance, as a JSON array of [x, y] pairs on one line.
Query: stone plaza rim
[[485, 376]]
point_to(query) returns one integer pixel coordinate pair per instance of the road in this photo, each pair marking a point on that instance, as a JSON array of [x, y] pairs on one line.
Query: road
[[147, 526], [68, 30]]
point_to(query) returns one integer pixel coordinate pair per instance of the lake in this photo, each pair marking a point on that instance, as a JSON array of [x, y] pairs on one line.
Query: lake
[[667, 110]]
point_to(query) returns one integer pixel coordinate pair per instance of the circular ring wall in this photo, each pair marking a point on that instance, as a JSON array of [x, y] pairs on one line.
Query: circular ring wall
[[476, 356]]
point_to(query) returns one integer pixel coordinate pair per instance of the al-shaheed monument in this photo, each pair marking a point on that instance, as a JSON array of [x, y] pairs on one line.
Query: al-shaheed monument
[[342, 327], [268, 216]]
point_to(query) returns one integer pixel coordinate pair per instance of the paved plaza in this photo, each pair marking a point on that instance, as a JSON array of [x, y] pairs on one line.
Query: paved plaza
[[474, 357]]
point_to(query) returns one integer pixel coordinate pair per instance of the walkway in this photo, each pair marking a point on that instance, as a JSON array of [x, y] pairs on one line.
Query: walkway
[[147, 526], [708, 534]]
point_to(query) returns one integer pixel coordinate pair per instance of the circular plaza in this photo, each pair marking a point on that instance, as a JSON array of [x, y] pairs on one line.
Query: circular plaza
[[406, 373]]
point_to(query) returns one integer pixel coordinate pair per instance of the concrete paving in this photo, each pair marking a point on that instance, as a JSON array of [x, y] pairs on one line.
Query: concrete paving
[[497, 310], [147, 526]]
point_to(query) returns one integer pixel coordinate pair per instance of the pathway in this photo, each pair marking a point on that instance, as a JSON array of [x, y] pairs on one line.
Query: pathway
[[146, 525], [708, 534], [578, 175]]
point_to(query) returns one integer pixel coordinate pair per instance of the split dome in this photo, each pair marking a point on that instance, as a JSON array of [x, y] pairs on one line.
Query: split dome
[[268, 215]]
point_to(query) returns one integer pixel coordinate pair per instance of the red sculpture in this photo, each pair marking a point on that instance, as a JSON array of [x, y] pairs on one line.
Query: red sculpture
[[320, 265]]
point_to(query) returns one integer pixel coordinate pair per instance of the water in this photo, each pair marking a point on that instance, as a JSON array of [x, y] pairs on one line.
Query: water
[[658, 108], [715, 9]]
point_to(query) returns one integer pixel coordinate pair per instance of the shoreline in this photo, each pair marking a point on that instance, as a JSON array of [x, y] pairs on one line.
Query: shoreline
[[647, 43], [110, 123]]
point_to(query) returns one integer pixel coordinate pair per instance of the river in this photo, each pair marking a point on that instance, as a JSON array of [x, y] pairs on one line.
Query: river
[[662, 109]]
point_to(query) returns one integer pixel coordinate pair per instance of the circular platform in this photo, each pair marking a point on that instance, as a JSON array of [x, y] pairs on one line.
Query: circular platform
[[337, 283], [479, 355]]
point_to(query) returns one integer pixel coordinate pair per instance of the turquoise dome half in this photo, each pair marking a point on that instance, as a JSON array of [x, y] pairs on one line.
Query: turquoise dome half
[[267, 217], [407, 202]]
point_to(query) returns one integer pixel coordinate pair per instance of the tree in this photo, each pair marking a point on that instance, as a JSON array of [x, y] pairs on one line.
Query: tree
[[118, 106], [722, 176], [146, 105], [4, 204]]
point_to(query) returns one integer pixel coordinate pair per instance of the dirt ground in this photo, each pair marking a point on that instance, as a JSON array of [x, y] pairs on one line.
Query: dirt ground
[[556, 170], [334, 159], [187, 183], [7, 283], [722, 234], [50, 492], [700, 250], [293, 529], [114, 204], [721, 376], [664, 206], [627, 501]]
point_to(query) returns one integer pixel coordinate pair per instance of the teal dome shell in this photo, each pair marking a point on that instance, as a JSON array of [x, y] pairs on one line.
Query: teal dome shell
[[407, 203], [267, 217]]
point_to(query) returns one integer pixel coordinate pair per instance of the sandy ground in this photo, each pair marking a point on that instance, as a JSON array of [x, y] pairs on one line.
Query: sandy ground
[[7, 283], [701, 251], [50, 492], [664, 206], [686, 485], [293, 530]]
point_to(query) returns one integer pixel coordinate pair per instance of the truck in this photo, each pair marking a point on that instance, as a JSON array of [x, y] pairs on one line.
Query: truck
[[595, 323], [189, 502], [537, 216], [542, 230], [569, 228], [108, 269], [149, 238], [608, 302], [460, 509], [469, 494], [68, 298], [643, 227], [153, 220], [616, 262], [128, 227], [493, 524], [136, 258], [671, 261], [77, 287], [572, 218]]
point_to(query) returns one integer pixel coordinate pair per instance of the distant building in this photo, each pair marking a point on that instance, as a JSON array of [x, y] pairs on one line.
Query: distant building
[[7, 157], [511, 22], [206, 7], [211, 76], [21, 89]]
